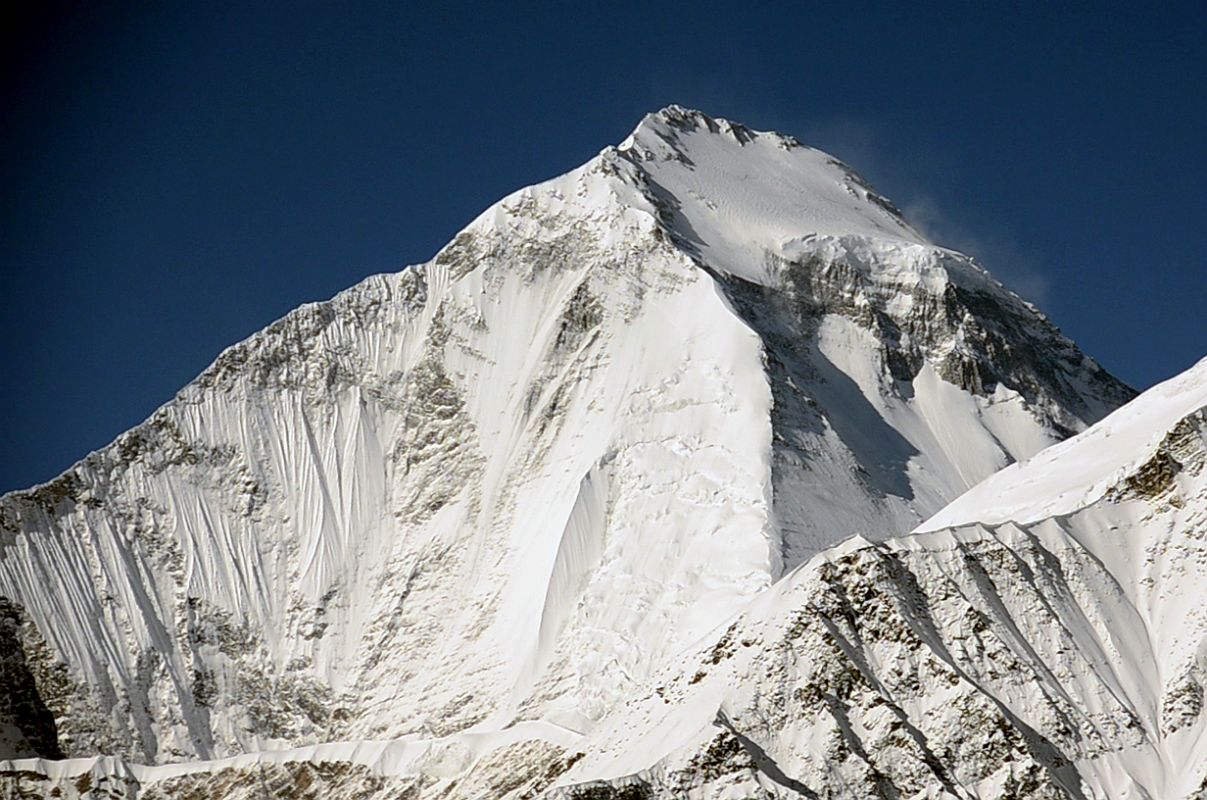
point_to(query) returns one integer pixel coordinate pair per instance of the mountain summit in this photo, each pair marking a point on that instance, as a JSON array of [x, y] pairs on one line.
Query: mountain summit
[[453, 519]]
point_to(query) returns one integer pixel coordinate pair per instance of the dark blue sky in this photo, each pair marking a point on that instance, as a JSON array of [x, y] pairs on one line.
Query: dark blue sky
[[176, 177]]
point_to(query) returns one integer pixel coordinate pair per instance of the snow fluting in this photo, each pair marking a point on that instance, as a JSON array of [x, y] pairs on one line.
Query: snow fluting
[[449, 531]]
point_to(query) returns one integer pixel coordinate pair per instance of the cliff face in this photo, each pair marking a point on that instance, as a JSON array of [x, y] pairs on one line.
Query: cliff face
[[513, 484]]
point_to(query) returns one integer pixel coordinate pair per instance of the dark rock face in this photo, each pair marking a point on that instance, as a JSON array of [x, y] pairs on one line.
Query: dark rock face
[[24, 717], [976, 339]]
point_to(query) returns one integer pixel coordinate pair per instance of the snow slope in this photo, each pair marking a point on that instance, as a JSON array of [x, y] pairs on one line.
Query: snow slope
[[1079, 472], [1055, 650], [512, 484]]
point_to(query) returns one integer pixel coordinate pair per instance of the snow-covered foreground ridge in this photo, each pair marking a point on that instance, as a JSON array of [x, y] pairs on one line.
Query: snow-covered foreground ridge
[[513, 486]]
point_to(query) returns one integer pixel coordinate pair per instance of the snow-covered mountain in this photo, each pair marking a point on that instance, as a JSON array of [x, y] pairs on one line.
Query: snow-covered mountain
[[447, 525]]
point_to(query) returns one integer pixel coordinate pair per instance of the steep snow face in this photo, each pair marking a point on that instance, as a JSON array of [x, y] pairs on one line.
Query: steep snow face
[[499, 484], [1081, 471], [901, 372], [1061, 652], [512, 483]]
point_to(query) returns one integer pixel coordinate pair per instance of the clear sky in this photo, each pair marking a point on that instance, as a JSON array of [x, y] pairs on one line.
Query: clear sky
[[176, 176]]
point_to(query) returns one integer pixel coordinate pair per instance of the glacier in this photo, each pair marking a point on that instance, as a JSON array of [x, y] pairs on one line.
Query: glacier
[[473, 524]]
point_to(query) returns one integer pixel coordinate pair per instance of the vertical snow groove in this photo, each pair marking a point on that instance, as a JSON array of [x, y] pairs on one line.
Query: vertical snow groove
[[578, 552]]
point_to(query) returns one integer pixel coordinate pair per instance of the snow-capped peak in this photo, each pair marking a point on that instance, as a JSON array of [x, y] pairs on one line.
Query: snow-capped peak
[[744, 199], [680, 118], [515, 482]]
